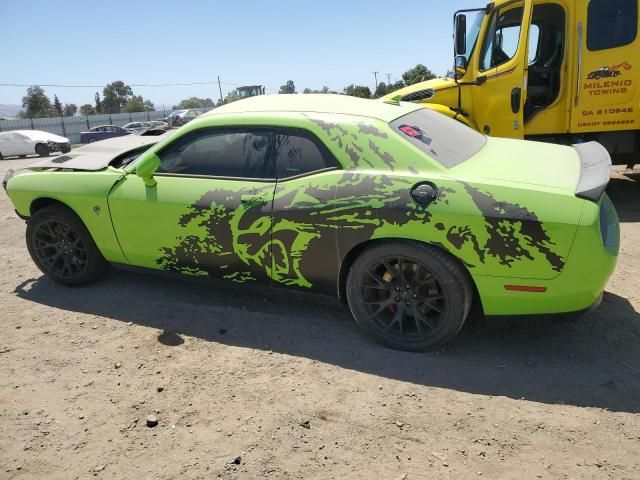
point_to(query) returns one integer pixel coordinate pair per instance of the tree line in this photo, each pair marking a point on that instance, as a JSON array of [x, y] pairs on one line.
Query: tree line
[[417, 74], [118, 97]]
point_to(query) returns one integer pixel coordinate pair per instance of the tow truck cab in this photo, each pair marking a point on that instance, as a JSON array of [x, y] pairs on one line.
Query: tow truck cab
[[564, 71]]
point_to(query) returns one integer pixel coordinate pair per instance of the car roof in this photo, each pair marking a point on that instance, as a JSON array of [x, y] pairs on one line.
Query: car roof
[[317, 103]]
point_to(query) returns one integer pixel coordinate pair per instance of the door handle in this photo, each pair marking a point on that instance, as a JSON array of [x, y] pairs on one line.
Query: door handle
[[579, 75], [516, 97], [253, 200]]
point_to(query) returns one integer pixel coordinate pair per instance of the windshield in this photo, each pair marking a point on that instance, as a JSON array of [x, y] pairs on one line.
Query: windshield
[[473, 30]]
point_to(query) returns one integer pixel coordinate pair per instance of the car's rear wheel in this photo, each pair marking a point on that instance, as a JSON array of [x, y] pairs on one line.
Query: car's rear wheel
[[62, 247], [1, 156], [409, 296], [43, 150]]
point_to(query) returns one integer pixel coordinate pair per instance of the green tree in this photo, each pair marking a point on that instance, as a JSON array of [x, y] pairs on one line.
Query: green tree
[[288, 87], [195, 102], [115, 96], [324, 89], [358, 91], [98, 102], [57, 105], [149, 106], [381, 90], [417, 74], [36, 104], [69, 110], [134, 104], [87, 109]]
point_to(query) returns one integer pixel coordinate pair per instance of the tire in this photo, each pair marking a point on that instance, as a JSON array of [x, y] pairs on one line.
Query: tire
[[1, 156], [422, 317], [62, 248], [42, 149], [65, 148], [91, 140]]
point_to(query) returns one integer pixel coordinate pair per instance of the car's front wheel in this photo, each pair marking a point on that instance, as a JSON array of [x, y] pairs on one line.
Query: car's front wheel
[[65, 148], [43, 150], [62, 247], [409, 296]]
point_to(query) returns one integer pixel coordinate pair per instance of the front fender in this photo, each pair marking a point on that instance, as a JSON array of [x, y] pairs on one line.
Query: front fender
[[85, 193]]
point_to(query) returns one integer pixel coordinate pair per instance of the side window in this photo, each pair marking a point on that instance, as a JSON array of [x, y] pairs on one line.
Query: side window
[[611, 23], [297, 153], [501, 39], [534, 41], [237, 153]]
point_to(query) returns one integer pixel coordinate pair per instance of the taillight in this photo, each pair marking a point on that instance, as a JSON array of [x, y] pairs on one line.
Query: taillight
[[609, 226]]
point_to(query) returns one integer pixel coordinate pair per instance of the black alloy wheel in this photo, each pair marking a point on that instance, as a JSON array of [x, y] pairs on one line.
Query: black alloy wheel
[[43, 150], [59, 249], [409, 296], [62, 247]]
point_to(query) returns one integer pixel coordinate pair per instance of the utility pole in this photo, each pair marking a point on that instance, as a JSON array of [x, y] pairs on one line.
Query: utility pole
[[375, 75], [388, 79], [220, 88]]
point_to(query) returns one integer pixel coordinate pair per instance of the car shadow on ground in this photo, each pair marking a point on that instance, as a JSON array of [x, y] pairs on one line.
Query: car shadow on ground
[[625, 193], [593, 362]]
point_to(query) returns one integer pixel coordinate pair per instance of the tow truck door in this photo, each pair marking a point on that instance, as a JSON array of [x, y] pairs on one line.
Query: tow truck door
[[606, 64], [501, 69]]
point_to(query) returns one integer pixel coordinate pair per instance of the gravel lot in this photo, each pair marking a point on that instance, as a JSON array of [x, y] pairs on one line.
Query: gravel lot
[[245, 386]]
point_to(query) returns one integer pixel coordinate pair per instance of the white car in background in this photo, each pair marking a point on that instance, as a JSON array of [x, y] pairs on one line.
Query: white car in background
[[20, 143]]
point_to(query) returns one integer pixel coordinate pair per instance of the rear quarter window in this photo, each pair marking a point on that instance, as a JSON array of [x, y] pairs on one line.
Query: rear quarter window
[[445, 140]]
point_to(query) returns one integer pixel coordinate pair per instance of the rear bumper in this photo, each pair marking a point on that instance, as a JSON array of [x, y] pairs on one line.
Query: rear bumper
[[590, 264], [545, 318]]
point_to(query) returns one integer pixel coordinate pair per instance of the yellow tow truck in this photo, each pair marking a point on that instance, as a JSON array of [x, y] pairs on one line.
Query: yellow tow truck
[[563, 71]]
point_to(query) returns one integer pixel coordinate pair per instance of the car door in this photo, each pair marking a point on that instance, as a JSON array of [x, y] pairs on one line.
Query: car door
[[501, 67], [24, 145], [5, 144], [309, 222], [210, 212], [10, 144]]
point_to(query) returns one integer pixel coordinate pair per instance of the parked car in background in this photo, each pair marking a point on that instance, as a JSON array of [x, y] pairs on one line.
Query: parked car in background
[[137, 127], [179, 118], [102, 132], [20, 143], [159, 124]]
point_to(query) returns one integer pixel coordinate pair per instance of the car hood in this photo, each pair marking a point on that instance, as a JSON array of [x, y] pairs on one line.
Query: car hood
[[96, 156], [539, 165]]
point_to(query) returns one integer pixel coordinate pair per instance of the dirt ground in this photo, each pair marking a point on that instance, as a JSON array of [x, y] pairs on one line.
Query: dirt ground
[[245, 386]]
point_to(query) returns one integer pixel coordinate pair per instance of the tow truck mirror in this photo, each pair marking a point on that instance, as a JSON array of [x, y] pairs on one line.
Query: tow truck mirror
[[146, 167], [461, 62], [461, 34]]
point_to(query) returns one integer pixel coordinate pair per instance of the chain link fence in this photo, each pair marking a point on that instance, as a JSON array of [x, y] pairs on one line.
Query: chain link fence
[[71, 127]]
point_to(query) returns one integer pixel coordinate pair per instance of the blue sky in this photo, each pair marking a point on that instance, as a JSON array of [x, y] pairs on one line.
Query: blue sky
[[332, 43]]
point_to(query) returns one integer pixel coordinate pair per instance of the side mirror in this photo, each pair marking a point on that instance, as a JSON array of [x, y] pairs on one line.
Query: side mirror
[[461, 62], [146, 167], [461, 34], [461, 66]]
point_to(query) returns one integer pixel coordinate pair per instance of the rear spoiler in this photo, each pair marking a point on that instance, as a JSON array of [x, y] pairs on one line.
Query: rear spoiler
[[595, 170]]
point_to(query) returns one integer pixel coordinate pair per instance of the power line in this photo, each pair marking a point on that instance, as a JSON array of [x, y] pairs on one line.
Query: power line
[[57, 85]]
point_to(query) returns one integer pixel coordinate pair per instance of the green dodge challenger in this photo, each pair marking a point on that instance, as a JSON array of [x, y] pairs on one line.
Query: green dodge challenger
[[404, 214]]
